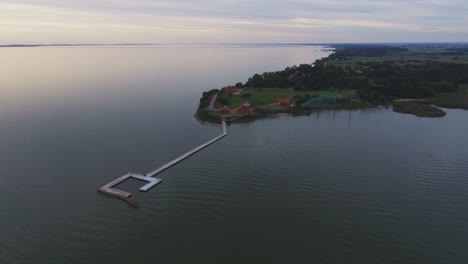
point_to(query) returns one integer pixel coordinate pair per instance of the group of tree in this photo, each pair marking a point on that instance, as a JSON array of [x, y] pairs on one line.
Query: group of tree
[[374, 80], [206, 98]]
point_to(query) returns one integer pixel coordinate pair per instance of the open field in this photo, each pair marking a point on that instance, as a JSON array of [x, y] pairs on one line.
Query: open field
[[413, 55], [269, 95]]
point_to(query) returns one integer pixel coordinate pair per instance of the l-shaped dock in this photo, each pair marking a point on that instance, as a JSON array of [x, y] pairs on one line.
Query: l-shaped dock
[[109, 190]]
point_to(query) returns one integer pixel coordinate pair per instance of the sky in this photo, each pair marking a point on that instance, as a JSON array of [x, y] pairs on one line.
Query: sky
[[232, 21]]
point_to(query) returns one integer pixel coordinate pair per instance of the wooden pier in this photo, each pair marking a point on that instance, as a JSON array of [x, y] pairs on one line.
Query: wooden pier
[[188, 154], [109, 190]]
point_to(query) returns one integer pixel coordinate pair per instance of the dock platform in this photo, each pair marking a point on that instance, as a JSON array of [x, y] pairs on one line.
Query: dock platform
[[109, 190]]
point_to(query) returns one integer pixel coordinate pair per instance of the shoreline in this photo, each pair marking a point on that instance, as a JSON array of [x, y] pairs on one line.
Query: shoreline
[[350, 77], [434, 111], [252, 118]]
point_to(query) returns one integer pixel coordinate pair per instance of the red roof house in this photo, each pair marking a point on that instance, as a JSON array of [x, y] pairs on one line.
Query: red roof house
[[283, 102], [231, 90], [224, 110], [243, 109]]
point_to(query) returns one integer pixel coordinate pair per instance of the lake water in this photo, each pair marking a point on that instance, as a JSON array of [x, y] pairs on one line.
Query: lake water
[[368, 186]]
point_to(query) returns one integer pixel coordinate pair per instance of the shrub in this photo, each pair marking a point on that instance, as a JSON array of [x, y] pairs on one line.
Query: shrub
[[246, 95]]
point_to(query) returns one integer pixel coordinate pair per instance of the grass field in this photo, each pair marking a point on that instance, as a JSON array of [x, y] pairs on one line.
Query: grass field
[[269, 96], [411, 55]]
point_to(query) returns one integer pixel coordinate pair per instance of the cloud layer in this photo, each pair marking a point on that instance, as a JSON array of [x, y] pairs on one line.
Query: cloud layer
[[228, 21]]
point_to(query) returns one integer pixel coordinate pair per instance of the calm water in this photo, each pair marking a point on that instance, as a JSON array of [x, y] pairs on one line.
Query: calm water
[[368, 186]]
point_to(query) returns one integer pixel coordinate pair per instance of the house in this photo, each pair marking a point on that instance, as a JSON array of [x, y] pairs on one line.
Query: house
[[283, 102], [243, 109], [224, 110], [231, 90]]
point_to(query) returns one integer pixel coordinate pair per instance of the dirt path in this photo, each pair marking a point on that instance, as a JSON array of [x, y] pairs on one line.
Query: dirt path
[[409, 100], [213, 100]]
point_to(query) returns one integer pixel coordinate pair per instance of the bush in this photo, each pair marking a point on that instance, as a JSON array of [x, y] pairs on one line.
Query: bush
[[223, 101], [421, 109], [246, 95]]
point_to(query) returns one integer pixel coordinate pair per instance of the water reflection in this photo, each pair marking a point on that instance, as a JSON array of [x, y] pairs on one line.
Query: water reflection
[[278, 190]]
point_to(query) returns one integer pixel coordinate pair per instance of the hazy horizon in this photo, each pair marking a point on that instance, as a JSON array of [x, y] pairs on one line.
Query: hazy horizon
[[223, 44], [228, 22]]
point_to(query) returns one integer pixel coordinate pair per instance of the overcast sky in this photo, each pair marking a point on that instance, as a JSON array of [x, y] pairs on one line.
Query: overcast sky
[[232, 21]]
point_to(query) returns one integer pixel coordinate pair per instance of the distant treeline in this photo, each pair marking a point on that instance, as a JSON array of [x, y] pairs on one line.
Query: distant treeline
[[457, 51], [374, 80], [356, 50]]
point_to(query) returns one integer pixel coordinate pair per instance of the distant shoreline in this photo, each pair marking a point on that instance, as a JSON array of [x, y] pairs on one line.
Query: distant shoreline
[[69, 45], [20, 45], [155, 44]]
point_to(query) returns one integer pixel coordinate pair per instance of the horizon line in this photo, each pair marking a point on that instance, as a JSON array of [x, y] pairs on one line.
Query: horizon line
[[19, 45]]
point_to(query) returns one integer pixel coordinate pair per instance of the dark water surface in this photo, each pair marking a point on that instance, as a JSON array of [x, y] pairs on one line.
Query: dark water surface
[[368, 186]]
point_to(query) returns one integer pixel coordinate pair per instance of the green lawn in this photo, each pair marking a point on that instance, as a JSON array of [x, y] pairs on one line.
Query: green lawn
[[269, 96], [411, 55]]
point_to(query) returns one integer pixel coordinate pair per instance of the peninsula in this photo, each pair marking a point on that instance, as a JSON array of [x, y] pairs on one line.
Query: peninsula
[[411, 78]]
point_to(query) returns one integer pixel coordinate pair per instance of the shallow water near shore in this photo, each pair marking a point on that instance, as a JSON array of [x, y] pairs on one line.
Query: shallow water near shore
[[363, 186]]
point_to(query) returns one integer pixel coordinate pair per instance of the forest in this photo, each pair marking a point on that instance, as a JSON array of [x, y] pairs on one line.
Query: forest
[[378, 73]]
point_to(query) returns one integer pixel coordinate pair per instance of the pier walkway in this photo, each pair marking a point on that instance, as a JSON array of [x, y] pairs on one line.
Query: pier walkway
[[109, 190], [188, 154]]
